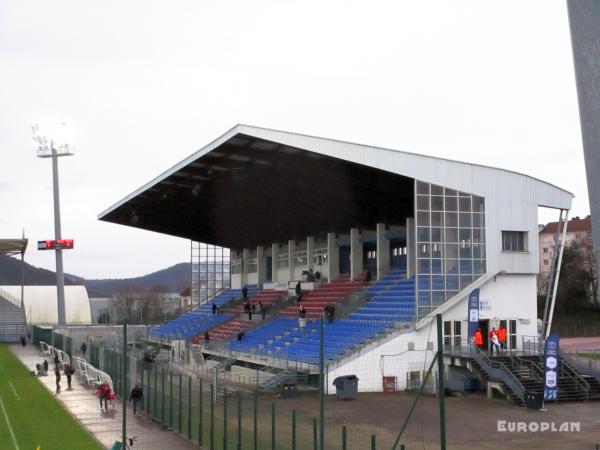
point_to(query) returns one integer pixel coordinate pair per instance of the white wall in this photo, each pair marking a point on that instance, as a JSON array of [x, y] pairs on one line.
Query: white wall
[[236, 281], [41, 304], [508, 297]]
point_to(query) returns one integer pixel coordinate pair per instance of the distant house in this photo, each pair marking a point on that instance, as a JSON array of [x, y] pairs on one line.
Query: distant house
[[578, 230]]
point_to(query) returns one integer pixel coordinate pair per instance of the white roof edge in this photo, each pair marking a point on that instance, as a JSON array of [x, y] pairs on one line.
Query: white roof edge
[[437, 158], [257, 131]]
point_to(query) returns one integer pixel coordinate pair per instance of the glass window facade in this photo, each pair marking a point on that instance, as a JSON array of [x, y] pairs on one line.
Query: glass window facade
[[211, 271], [450, 243]]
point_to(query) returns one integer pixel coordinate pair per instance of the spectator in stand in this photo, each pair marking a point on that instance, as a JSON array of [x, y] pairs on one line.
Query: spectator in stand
[[206, 336], [298, 289], [136, 396], [253, 308], [245, 293], [369, 276], [502, 337], [302, 312], [83, 348], [262, 310], [332, 312], [214, 308], [249, 312]]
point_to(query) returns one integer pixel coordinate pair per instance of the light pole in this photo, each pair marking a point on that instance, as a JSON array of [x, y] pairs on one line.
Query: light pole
[[54, 145]]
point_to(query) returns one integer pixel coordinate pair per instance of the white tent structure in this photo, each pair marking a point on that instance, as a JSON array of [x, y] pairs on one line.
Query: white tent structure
[[40, 304]]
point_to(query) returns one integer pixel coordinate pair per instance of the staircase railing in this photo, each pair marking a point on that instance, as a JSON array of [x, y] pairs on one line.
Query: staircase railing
[[568, 370], [11, 298], [498, 371]]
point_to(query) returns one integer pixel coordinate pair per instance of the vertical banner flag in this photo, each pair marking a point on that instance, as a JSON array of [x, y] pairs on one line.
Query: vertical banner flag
[[473, 312], [551, 356]]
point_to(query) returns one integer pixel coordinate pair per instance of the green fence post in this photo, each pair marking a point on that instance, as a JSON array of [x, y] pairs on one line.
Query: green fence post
[[441, 385], [272, 426], [321, 387], [170, 399], [344, 437], [212, 417], [179, 424], [239, 430], [155, 391], [147, 393], [124, 412], [201, 414], [402, 447], [315, 442], [255, 425], [189, 407], [373, 443], [162, 396], [224, 418], [293, 429]]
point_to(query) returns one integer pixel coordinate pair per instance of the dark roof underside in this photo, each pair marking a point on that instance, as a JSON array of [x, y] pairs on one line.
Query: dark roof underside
[[250, 192]]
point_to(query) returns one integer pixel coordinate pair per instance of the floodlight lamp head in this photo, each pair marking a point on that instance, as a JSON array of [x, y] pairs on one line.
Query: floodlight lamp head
[[52, 141]]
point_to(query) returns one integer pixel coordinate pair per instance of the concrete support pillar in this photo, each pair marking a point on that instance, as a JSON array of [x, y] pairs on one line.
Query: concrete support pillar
[[310, 246], [383, 252], [333, 257], [245, 257], [261, 266], [356, 254], [291, 259], [411, 247], [274, 256]]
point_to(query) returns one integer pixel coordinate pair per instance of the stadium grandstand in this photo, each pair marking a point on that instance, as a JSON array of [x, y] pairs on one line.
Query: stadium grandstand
[[382, 239], [12, 317]]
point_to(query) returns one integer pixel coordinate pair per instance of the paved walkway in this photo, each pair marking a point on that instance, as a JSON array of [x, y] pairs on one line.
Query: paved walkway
[[106, 427]]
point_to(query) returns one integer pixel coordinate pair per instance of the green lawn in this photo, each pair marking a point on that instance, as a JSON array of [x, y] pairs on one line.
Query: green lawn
[[34, 415], [589, 355]]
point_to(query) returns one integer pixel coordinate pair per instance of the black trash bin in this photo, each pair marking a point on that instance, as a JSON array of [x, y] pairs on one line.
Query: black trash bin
[[346, 387], [534, 400], [289, 391]]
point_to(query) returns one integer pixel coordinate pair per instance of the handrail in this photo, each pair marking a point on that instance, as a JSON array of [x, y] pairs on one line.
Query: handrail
[[498, 370], [11, 298], [574, 374]]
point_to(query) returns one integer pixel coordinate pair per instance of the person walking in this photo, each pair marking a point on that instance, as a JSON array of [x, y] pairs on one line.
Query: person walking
[[57, 375], [478, 338], [103, 394], [136, 396], [214, 308], [494, 342], [69, 371], [502, 337], [83, 348]]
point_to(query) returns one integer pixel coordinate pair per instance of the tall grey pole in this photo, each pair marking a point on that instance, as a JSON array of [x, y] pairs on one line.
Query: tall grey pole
[[60, 276], [584, 21]]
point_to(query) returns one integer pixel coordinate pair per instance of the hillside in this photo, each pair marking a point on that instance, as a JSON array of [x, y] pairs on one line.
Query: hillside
[[173, 279]]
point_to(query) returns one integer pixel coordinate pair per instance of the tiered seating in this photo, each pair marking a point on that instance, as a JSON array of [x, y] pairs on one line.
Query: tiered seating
[[198, 321], [315, 301], [239, 323], [392, 299], [12, 319], [284, 339]]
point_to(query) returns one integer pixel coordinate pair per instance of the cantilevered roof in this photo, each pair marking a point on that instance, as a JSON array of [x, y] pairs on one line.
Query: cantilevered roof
[[256, 186], [12, 246]]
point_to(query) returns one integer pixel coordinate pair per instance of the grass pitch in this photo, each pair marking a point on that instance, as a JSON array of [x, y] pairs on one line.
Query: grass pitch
[[30, 417]]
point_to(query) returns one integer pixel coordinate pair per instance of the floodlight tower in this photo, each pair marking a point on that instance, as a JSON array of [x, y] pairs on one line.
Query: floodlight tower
[[53, 145]]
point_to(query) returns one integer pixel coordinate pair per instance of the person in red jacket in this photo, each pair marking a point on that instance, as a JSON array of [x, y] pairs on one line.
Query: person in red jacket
[[502, 337], [478, 338]]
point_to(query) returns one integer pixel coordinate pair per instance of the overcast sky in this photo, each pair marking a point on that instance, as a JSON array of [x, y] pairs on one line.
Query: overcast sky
[[143, 84]]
